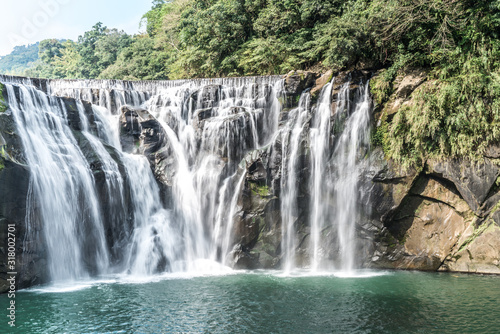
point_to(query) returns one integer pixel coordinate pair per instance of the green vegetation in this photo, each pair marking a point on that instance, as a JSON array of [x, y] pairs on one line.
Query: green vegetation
[[3, 103], [457, 42], [261, 190], [3, 154], [208, 38], [19, 60]]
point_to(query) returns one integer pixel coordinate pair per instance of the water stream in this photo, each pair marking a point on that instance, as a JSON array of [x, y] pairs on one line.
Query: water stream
[[102, 209]]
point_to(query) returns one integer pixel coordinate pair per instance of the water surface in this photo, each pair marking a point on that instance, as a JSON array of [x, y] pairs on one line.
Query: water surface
[[265, 302]]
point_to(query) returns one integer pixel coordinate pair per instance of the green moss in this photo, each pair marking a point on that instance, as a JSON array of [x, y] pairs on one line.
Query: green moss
[[455, 114], [381, 87], [3, 155], [71, 106], [3, 103], [297, 99], [379, 135], [262, 191], [330, 77]]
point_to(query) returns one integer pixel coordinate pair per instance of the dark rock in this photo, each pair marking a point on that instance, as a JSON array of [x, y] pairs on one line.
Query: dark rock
[[473, 180], [14, 187], [130, 129], [209, 97], [141, 133], [387, 183], [298, 81]]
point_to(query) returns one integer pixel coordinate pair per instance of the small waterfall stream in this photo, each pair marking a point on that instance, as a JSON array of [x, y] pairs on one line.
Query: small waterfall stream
[[351, 147], [289, 181], [103, 211], [335, 170], [320, 153]]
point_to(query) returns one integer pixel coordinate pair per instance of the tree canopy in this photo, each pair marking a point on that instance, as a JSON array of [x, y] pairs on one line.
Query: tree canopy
[[456, 41]]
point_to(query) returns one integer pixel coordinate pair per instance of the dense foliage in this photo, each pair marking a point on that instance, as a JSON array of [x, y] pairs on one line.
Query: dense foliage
[[19, 60], [457, 112], [456, 41], [206, 38]]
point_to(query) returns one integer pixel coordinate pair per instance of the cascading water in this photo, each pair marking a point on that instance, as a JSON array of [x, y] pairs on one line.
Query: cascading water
[[291, 141], [210, 129], [102, 209], [320, 153], [334, 194], [62, 184], [347, 161]]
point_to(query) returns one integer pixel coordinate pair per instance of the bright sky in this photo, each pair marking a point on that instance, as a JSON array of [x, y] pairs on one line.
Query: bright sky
[[29, 21]]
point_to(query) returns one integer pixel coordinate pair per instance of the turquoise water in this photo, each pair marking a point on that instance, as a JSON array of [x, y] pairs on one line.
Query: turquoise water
[[389, 302]]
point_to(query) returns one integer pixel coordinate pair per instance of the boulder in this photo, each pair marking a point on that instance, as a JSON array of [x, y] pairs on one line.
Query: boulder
[[130, 129], [492, 151], [298, 81], [321, 82], [404, 86]]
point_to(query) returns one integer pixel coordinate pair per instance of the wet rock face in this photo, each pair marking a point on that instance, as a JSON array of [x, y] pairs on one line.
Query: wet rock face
[[130, 129], [258, 225], [31, 260], [298, 81], [141, 133]]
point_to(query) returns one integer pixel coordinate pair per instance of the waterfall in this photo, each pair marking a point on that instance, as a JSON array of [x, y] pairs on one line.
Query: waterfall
[[320, 152], [103, 208], [335, 170], [62, 184], [210, 129], [154, 242], [347, 161], [289, 203]]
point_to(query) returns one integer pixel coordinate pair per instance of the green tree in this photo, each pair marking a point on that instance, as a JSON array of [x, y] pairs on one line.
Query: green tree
[[87, 50], [210, 37], [67, 65], [21, 58], [48, 49], [140, 61], [109, 45]]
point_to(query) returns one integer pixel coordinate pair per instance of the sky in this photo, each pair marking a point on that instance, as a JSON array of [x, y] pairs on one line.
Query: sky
[[29, 21]]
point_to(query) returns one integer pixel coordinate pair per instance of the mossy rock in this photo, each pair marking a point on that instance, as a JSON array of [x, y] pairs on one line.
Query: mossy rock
[[3, 103], [261, 190], [381, 88]]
